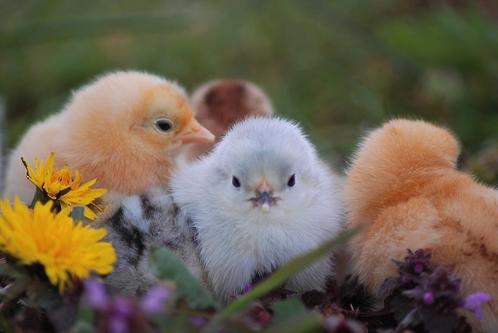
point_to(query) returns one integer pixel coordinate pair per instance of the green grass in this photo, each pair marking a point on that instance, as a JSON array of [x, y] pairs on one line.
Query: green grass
[[338, 67]]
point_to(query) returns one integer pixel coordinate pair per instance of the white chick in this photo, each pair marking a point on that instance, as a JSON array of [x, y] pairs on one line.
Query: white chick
[[261, 198]]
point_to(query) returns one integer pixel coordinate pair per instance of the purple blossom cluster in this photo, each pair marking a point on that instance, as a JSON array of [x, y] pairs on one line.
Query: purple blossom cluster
[[434, 285], [437, 289], [415, 264], [118, 314], [429, 293]]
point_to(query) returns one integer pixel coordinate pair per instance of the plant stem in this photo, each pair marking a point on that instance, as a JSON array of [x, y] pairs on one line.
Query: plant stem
[[37, 197], [406, 321]]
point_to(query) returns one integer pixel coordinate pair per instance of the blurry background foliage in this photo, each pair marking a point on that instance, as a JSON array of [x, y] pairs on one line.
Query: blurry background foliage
[[338, 67]]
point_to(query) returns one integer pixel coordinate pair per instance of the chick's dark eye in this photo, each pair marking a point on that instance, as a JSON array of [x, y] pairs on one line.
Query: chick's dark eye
[[163, 125], [235, 182], [292, 181]]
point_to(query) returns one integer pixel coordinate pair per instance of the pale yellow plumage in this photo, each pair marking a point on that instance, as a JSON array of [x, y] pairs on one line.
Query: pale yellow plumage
[[113, 130]]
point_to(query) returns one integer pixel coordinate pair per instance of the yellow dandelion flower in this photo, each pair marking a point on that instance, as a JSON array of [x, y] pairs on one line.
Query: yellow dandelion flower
[[63, 186], [64, 248]]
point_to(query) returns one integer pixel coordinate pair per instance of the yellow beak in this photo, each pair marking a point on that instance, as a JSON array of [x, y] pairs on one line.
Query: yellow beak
[[196, 133]]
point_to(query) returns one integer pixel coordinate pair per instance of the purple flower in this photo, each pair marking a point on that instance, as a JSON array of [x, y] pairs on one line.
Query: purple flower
[[153, 301], [122, 307], [197, 321], [120, 315], [419, 268], [118, 324], [428, 298], [96, 295], [415, 264], [473, 303]]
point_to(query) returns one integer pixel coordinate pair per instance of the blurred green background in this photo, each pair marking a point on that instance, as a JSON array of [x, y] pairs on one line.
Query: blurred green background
[[339, 67]]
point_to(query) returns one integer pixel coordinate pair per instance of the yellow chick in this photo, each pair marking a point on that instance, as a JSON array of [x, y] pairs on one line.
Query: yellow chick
[[404, 187], [124, 129], [220, 104]]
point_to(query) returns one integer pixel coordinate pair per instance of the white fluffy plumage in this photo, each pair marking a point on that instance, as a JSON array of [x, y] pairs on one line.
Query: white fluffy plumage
[[261, 198]]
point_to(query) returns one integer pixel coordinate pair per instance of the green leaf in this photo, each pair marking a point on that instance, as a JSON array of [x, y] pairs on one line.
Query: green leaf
[[305, 322], [280, 277], [167, 266], [288, 309], [86, 318]]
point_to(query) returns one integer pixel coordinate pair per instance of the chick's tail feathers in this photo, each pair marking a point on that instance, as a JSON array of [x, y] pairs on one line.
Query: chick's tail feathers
[[393, 163]]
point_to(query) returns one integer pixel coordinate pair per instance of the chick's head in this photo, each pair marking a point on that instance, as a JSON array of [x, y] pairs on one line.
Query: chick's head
[[125, 127], [265, 166], [220, 104], [164, 120]]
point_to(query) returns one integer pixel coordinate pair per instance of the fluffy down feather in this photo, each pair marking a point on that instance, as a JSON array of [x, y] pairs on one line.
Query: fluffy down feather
[[123, 129], [142, 221], [220, 104], [404, 186], [250, 216]]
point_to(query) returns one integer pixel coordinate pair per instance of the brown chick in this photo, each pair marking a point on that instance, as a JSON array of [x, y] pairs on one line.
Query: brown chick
[[404, 187], [123, 129], [220, 104]]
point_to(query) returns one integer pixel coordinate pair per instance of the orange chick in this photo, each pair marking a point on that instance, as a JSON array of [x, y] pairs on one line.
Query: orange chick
[[404, 187], [124, 129], [220, 104]]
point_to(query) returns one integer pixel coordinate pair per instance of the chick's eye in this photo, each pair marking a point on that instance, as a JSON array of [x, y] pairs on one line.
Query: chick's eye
[[163, 125], [235, 182], [292, 181]]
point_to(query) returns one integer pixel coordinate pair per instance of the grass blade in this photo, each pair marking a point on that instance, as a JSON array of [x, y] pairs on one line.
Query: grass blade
[[279, 277]]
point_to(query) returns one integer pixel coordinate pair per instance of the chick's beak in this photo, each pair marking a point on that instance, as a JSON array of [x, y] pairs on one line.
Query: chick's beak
[[264, 196], [196, 133], [264, 186]]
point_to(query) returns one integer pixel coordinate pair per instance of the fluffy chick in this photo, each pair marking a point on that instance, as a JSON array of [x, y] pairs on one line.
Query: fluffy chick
[[142, 221], [122, 129], [220, 104], [261, 198], [404, 187]]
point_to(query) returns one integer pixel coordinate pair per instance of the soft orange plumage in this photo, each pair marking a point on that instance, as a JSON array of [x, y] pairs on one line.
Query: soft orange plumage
[[404, 187], [109, 131], [220, 104]]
